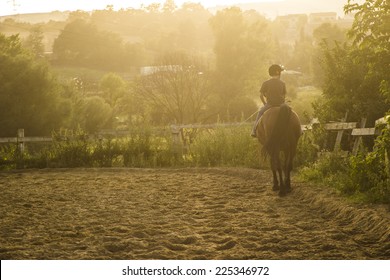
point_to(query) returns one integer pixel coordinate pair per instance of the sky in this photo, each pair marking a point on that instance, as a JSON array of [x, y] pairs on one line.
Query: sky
[[9, 7]]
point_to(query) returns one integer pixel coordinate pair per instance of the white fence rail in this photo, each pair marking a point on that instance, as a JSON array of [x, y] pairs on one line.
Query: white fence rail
[[177, 130]]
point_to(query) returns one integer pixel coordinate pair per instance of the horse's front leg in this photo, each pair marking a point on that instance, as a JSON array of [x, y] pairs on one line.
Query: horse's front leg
[[287, 181], [274, 174], [278, 175]]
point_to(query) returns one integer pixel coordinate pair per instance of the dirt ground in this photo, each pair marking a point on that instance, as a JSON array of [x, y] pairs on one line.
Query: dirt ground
[[210, 213]]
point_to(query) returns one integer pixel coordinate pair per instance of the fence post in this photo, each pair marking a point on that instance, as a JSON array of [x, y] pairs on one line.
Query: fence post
[[358, 140], [340, 135], [176, 142], [20, 142], [19, 148]]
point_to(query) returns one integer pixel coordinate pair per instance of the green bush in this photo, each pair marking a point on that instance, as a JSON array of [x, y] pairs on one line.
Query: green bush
[[307, 149], [7, 156], [370, 173], [326, 165], [70, 149], [365, 177], [106, 152]]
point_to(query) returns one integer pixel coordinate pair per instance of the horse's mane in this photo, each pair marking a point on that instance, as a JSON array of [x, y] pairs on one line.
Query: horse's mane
[[279, 131]]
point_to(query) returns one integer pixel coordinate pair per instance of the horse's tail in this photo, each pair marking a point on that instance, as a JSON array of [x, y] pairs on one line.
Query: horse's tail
[[279, 131]]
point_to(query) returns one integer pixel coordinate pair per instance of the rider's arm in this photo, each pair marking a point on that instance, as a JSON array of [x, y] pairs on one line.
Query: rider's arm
[[262, 97]]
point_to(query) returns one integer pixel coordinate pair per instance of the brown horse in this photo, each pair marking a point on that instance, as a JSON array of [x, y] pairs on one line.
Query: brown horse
[[278, 131]]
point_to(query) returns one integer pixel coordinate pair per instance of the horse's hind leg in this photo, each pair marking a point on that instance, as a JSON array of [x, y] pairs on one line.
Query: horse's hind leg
[[287, 172], [275, 175], [278, 172]]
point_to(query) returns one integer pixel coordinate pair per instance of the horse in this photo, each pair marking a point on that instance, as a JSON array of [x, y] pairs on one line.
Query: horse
[[278, 131]]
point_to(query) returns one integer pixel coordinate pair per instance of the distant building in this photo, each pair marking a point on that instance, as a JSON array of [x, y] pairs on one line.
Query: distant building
[[317, 19], [149, 70], [292, 27], [320, 18]]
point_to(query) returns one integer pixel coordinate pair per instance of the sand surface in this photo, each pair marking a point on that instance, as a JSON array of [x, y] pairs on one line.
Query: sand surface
[[210, 213]]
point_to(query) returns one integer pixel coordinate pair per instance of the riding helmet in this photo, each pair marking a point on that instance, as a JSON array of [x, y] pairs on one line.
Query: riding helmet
[[275, 70]]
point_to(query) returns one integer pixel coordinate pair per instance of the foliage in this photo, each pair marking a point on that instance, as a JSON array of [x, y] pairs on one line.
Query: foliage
[[96, 113], [34, 41], [29, 94], [8, 156], [365, 176], [370, 173], [356, 81], [113, 87], [349, 86], [355, 76], [371, 32], [82, 44], [70, 149], [142, 147], [179, 87], [106, 152], [307, 149], [242, 50]]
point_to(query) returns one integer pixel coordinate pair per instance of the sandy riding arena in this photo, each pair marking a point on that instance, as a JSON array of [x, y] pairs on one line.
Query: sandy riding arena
[[222, 213]]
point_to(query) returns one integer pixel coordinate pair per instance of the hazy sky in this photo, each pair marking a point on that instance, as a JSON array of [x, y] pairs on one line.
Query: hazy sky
[[36, 6]]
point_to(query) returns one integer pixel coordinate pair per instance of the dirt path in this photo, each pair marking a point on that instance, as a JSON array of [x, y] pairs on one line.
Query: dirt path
[[180, 214]]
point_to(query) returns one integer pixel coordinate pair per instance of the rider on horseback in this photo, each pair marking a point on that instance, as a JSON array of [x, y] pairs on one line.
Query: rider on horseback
[[272, 92]]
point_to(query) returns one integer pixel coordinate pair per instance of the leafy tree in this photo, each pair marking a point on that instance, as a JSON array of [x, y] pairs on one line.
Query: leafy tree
[[325, 37], [242, 51], [96, 113], [153, 8], [356, 75], [34, 41], [169, 6], [29, 94], [82, 44], [113, 87], [371, 36], [329, 34]]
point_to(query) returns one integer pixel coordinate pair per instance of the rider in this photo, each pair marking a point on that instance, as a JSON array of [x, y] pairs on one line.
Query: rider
[[272, 92]]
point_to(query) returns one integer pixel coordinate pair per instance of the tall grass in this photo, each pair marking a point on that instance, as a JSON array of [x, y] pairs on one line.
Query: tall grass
[[223, 146], [226, 146]]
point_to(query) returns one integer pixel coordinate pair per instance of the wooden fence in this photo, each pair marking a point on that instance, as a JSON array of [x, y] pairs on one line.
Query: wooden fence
[[177, 132]]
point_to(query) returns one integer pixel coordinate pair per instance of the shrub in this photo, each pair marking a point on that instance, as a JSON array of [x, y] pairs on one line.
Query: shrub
[[363, 177], [370, 173], [106, 152], [70, 149]]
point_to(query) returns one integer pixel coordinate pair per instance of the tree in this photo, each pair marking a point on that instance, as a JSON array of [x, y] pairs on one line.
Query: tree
[[371, 36], [113, 87], [325, 37], [330, 34], [356, 75], [96, 113], [242, 51], [169, 6], [179, 88], [82, 44], [29, 94], [34, 41]]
